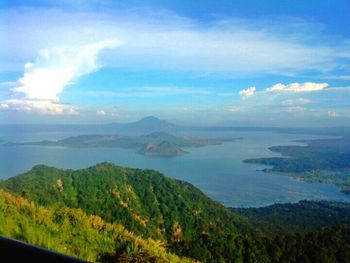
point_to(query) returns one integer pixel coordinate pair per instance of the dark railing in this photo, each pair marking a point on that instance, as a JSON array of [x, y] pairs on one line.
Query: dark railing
[[16, 251]]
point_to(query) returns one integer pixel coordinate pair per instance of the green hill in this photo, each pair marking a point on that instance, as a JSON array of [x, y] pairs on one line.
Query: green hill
[[72, 232], [112, 214], [144, 201]]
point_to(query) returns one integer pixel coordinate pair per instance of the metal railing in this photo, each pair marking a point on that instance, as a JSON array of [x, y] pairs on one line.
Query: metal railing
[[16, 251]]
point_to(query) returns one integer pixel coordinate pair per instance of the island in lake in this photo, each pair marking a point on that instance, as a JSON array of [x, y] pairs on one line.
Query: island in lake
[[164, 149], [324, 161], [155, 144]]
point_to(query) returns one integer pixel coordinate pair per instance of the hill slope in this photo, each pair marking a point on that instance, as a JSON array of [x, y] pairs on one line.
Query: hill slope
[[175, 213], [72, 232], [301, 217], [144, 201]]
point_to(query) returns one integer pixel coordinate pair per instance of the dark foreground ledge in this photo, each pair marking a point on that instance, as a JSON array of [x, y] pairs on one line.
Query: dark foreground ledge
[[16, 251]]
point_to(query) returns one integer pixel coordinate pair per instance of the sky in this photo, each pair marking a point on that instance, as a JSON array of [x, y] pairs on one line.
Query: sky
[[279, 63]]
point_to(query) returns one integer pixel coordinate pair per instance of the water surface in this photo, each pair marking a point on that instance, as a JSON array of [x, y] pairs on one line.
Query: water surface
[[217, 170]]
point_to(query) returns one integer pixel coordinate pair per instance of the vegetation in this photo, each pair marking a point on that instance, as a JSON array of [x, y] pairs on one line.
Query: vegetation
[[144, 201], [326, 245], [326, 161], [163, 216], [155, 144], [301, 217], [163, 149], [133, 142], [72, 232]]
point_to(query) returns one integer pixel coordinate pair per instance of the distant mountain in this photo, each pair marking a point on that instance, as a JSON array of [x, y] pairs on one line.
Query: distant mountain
[[162, 149], [152, 124], [160, 136], [152, 121], [144, 126]]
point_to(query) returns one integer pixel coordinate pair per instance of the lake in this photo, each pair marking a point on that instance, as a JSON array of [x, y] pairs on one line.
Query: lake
[[217, 170]]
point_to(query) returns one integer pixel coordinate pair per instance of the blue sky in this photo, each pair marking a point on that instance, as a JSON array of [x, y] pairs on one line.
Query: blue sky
[[279, 63]]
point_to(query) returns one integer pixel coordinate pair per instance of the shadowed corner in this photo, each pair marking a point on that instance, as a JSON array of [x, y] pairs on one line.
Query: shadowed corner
[[17, 251]]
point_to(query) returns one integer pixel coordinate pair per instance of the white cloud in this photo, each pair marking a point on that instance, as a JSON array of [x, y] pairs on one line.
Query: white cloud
[[43, 107], [248, 92], [233, 108], [73, 111], [296, 102], [114, 114], [333, 114], [164, 40], [4, 106], [101, 112], [346, 89], [282, 91], [309, 100], [338, 77], [54, 69], [297, 109], [151, 92], [166, 91], [285, 90], [226, 94], [297, 87]]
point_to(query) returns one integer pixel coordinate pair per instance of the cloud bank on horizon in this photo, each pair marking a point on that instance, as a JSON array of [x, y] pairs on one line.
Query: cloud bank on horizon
[[237, 61], [286, 97]]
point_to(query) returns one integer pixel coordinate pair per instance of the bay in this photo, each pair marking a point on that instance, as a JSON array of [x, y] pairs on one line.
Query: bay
[[217, 170]]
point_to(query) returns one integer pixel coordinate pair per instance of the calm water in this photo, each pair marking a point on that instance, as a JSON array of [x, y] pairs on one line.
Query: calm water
[[217, 170]]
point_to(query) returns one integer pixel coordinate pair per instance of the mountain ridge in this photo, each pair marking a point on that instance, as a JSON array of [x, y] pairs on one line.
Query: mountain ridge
[[145, 125], [144, 201], [153, 207]]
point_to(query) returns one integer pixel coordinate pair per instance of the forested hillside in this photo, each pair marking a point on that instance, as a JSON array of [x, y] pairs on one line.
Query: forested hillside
[[325, 161], [301, 217], [72, 232], [144, 201], [143, 204]]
